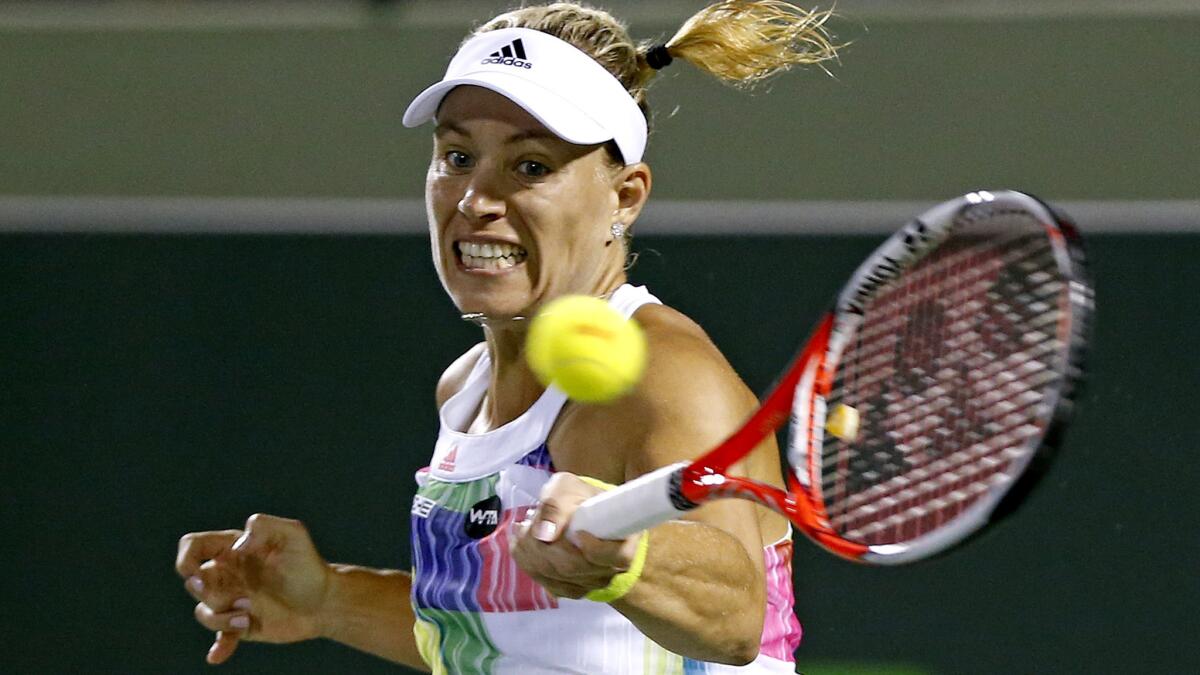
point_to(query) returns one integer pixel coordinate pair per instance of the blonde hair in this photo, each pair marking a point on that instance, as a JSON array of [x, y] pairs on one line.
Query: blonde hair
[[741, 42]]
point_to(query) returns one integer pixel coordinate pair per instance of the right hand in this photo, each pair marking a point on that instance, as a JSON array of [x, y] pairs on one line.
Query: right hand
[[265, 583]]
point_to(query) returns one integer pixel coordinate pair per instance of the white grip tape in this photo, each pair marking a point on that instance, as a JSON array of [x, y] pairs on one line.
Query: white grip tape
[[632, 507]]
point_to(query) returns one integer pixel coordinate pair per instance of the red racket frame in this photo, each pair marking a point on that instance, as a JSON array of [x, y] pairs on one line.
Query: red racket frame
[[676, 489], [705, 478]]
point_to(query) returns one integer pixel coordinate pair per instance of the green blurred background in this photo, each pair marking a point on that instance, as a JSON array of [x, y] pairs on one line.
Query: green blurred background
[[171, 369]]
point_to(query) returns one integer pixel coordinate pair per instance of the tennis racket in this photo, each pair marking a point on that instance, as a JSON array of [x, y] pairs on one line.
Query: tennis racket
[[946, 368]]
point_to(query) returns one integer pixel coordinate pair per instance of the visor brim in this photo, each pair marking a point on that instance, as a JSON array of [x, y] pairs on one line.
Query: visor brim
[[561, 117]]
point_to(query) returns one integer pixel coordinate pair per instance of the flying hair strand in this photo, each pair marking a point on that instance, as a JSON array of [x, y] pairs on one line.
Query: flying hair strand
[[743, 42]]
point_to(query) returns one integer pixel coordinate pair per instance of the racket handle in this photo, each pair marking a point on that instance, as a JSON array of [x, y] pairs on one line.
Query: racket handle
[[632, 507]]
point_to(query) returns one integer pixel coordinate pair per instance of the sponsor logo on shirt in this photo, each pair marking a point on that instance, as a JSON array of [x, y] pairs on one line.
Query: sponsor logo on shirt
[[447, 463], [422, 506], [483, 518]]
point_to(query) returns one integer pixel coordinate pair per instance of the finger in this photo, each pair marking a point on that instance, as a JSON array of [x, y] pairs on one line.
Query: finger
[[265, 534], [552, 569], [536, 558], [547, 520], [218, 583], [223, 647], [560, 496], [197, 547], [516, 542], [564, 589], [519, 530], [194, 585], [559, 561], [617, 555], [236, 620]]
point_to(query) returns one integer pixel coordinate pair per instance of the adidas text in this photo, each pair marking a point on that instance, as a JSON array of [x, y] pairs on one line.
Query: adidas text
[[507, 61]]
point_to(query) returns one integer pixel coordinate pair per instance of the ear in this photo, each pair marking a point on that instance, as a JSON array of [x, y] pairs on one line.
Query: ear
[[632, 184]]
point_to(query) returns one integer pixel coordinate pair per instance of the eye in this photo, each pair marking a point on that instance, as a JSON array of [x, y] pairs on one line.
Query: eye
[[531, 169], [458, 159]]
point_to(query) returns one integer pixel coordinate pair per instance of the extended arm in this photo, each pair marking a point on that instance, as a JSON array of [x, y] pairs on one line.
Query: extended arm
[[702, 591]]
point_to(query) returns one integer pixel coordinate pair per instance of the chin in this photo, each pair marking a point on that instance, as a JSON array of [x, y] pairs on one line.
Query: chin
[[495, 293], [491, 303]]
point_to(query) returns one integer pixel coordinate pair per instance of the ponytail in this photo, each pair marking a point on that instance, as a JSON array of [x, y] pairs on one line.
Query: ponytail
[[742, 42]]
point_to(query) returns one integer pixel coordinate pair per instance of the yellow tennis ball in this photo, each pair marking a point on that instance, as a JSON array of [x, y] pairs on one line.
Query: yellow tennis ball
[[842, 422], [585, 348]]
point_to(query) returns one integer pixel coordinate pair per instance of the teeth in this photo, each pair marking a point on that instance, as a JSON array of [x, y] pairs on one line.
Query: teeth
[[490, 256], [489, 250]]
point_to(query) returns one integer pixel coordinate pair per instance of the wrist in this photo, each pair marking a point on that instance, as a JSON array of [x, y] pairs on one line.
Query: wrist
[[329, 617], [623, 582], [361, 603]]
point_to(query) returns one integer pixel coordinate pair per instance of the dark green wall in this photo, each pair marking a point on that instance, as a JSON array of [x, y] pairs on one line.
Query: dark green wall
[[1067, 107], [153, 385]]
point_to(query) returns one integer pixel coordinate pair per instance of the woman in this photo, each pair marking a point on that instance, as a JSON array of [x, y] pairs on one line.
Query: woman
[[535, 181]]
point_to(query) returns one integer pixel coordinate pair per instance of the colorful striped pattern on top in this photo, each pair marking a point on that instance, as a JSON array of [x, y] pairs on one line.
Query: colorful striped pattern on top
[[781, 629], [477, 612], [457, 579]]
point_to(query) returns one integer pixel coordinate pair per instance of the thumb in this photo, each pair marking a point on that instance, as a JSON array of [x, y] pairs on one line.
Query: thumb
[[560, 497], [255, 539], [547, 521]]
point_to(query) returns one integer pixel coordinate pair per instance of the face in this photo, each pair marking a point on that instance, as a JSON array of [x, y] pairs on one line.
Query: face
[[518, 216]]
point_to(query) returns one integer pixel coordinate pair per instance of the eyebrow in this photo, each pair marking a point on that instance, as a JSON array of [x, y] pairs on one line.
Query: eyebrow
[[448, 127]]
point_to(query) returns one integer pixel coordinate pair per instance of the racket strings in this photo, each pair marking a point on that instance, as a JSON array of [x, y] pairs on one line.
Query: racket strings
[[956, 281], [948, 372], [962, 293]]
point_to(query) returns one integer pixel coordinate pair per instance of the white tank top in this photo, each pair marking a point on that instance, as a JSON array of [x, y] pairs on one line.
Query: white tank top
[[477, 612]]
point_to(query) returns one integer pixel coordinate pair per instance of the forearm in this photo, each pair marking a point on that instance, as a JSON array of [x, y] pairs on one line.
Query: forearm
[[370, 610], [699, 594]]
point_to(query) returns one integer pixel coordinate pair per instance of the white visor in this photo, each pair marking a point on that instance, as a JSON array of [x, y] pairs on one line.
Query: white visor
[[565, 89]]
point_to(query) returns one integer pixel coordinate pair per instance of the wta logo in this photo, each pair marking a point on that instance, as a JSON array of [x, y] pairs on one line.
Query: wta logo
[[483, 518], [511, 54]]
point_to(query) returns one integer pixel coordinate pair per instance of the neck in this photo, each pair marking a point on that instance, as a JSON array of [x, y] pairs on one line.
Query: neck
[[514, 387]]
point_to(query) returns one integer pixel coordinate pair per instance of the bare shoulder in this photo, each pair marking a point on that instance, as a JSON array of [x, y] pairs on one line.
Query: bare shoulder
[[455, 376], [689, 399], [684, 363]]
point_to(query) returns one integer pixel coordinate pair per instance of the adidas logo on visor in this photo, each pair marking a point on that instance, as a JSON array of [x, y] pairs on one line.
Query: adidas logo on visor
[[511, 54]]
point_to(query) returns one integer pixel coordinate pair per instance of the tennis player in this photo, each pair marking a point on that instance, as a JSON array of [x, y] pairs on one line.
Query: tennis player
[[535, 183]]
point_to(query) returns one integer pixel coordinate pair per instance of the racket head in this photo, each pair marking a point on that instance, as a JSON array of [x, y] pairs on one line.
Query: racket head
[[959, 343]]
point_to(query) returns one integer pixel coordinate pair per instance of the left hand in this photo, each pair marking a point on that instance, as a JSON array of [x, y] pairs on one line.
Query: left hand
[[568, 569]]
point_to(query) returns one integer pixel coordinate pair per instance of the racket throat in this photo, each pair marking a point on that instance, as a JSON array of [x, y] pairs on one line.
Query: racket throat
[[678, 493], [697, 486]]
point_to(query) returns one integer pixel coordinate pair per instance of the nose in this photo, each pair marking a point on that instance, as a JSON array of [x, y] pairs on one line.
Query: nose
[[481, 201]]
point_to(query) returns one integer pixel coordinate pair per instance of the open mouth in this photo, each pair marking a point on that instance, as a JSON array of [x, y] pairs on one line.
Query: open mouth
[[489, 255]]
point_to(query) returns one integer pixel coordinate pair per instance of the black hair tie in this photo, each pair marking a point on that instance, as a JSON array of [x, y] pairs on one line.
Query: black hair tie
[[659, 57]]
